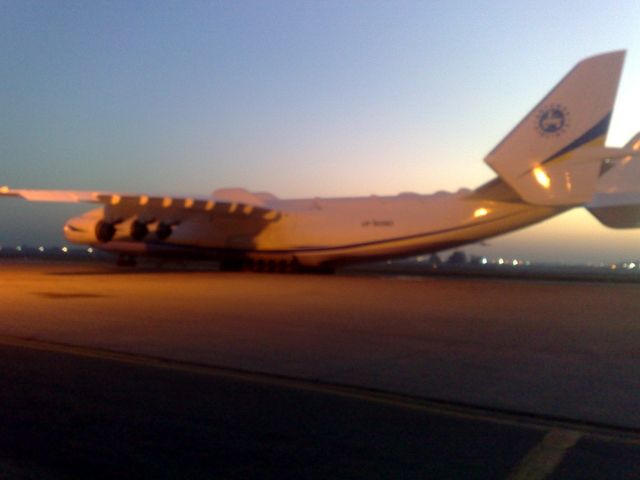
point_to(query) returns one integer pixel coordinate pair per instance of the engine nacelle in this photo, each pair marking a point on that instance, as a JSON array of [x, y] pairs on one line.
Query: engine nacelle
[[164, 230], [89, 228], [139, 230], [92, 228]]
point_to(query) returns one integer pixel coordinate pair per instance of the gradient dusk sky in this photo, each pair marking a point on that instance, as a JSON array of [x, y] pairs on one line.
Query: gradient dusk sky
[[297, 98]]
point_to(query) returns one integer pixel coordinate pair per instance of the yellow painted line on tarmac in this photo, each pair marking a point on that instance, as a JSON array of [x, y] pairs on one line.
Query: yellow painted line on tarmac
[[545, 457]]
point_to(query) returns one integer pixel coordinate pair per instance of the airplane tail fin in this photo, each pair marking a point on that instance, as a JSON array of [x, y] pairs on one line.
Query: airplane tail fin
[[553, 156], [617, 201]]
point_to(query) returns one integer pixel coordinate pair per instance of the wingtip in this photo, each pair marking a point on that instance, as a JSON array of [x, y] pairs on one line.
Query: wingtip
[[611, 54]]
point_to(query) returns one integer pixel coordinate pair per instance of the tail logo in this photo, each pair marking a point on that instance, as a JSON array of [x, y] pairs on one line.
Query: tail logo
[[552, 120]]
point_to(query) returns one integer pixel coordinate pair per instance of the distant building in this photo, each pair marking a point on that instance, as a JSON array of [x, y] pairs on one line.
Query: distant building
[[457, 258]]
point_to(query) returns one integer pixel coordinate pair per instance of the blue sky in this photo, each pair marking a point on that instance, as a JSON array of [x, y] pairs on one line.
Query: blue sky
[[297, 98]]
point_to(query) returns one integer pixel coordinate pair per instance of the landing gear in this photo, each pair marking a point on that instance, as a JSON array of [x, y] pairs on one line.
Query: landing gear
[[231, 265], [270, 265], [283, 265], [126, 260]]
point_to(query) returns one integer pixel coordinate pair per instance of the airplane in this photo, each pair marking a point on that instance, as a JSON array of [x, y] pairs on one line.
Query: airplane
[[555, 159]]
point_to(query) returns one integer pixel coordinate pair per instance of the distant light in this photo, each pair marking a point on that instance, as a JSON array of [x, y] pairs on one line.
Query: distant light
[[480, 212], [542, 178], [64, 249], [501, 261], [4, 189], [632, 265], [515, 263], [420, 258], [41, 249], [19, 248], [90, 250], [484, 261], [188, 202], [115, 199], [613, 266]]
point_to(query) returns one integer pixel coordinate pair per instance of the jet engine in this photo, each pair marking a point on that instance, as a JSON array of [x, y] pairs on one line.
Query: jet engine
[[139, 230], [89, 228], [164, 230]]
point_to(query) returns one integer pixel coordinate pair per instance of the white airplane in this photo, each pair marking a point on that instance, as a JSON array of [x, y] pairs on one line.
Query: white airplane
[[553, 160]]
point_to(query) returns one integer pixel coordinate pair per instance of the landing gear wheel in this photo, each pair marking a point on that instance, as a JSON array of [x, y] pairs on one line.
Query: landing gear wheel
[[126, 260], [231, 265], [283, 266]]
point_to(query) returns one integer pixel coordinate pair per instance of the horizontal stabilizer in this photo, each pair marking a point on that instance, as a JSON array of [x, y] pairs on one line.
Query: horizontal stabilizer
[[617, 201], [623, 216]]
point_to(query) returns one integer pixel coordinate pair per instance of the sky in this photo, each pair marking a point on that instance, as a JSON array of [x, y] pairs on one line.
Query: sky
[[297, 98]]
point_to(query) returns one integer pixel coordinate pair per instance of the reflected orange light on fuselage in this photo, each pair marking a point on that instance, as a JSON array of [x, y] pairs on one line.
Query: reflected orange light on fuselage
[[542, 178]]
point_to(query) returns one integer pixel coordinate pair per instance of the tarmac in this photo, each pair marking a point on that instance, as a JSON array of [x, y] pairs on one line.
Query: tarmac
[[175, 373]]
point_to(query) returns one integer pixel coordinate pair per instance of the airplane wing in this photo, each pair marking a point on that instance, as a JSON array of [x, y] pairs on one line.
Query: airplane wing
[[140, 202], [66, 196]]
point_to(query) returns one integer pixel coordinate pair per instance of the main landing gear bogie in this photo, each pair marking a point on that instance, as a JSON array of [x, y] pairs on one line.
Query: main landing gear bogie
[[126, 260], [256, 265], [277, 265]]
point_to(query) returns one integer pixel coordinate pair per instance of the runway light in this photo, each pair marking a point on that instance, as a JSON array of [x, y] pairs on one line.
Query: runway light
[[64, 249], [480, 212], [90, 250], [41, 249], [501, 261], [19, 248], [613, 266], [542, 178], [515, 263], [484, 261], [632, 265]]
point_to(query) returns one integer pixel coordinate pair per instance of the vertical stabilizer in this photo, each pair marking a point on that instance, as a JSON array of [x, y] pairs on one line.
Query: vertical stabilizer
[[552, 157]]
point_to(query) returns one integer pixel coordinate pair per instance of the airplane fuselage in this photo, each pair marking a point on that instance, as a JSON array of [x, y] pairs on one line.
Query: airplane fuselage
[[320, 232]]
